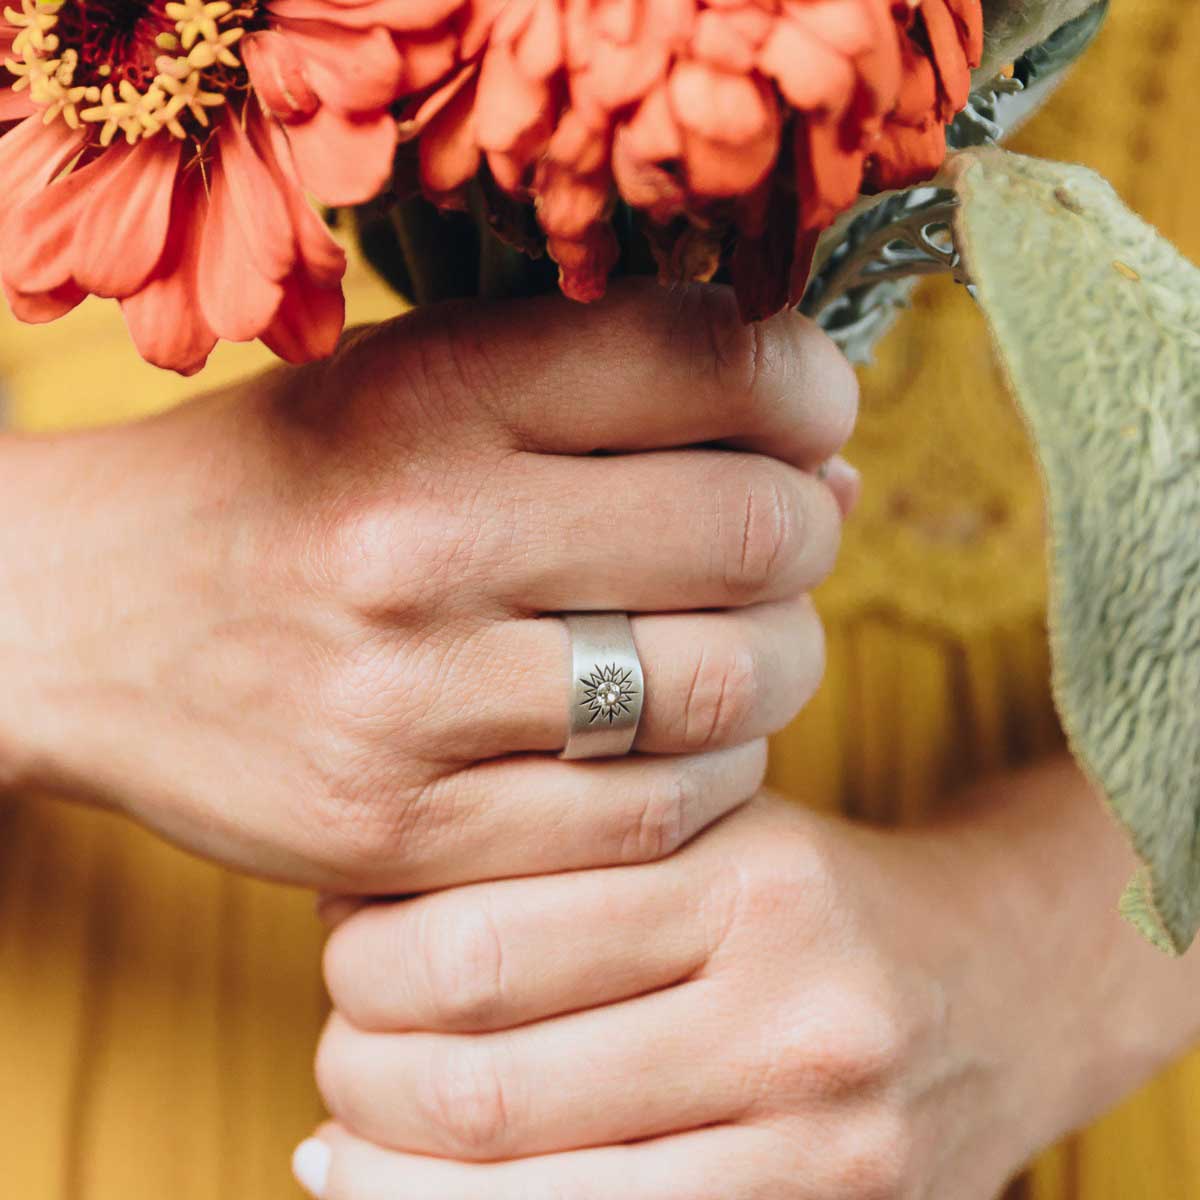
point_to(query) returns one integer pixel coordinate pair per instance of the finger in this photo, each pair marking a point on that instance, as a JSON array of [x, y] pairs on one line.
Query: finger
[[333, 910], [557, 1085], [664, 532], [713, 679], [645, 368], [708, 1164], [533, 816], [498, 955]]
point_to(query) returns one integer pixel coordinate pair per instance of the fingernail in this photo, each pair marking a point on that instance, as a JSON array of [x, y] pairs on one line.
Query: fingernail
[[844, 481], [310, 1165]]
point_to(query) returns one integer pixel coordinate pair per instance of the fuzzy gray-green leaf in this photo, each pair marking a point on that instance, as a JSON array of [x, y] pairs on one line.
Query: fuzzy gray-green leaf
[[1097, 319]]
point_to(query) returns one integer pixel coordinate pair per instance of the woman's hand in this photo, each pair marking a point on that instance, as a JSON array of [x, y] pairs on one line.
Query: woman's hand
[[300, 626], [790, 1008]]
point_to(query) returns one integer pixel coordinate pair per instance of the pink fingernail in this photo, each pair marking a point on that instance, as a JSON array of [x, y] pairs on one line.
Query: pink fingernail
[[310, 1165], [843, 480]]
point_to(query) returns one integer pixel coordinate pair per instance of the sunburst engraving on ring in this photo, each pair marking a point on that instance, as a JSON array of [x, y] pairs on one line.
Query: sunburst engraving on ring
[[608, 692]]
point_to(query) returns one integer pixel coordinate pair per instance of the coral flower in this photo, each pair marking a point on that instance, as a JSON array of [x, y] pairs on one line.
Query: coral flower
[[738, 128], [159, 152]]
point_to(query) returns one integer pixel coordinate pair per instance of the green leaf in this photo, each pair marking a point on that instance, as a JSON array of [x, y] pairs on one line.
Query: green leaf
[[1097, 320], [1063, 47], [1013, 26]]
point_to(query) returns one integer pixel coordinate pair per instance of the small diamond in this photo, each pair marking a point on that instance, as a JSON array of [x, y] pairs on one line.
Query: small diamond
[[608, 691]]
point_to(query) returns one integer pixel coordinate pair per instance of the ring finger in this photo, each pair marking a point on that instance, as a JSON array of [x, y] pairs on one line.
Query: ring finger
[[712, 680]]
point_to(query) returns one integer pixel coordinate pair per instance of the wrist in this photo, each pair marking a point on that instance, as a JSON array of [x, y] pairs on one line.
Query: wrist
[[31, 587], [94, 532], [1082, 1008], [997, 1099]]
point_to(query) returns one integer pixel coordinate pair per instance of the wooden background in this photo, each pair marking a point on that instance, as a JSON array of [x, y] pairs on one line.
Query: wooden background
[[157, 1015]]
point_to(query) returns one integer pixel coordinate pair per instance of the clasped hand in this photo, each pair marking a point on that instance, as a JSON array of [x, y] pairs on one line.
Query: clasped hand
[[766, 1014], [338, 665], [309, 630]]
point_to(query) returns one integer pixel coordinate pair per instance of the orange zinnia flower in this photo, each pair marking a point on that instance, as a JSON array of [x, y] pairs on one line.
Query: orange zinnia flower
[[729, 123], [158, 152]]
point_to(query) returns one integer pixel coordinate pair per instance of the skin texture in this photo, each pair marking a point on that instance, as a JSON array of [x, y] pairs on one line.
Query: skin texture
[[300, 627], [791, 1008]]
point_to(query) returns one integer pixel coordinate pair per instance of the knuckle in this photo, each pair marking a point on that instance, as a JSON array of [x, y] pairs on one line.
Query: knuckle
[[359, 555], [735, 349], [821, 379], [363, 821], [462, 959], [721, 699], [873, 1047], [435, 358], [795, 876], [809, 646], [764, 527], [331, 1074], [469, 1104], [822, 531], [850, 1046], [467, 360], [363, 965], [873, 1156], [659, 822], [845, 392], [433, 542], [341, 967]]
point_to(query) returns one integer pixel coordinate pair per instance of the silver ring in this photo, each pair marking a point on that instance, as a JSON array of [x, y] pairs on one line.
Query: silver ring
[[608, 689]]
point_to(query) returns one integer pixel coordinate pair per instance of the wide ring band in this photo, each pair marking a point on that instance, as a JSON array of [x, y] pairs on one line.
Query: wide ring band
[[607, 686]]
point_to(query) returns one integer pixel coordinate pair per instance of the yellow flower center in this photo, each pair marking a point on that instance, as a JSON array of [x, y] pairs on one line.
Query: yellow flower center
[[129, 67]]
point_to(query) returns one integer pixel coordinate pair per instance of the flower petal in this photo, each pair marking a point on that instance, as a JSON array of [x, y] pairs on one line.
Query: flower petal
[[41, 237], [122, 236], [321, 255], [164, 318], [276, 69], [948, 56], [427, 59], [810, 72], [344, 160], [969, 15], [238, 301], [43, 307], [255, 203], [512, 105], [403, 16], [14, 106], [449, 150], [646, 153], [354, 70], [31, 154], [309, 321], [721, 105], [585, 263], [829, 170]]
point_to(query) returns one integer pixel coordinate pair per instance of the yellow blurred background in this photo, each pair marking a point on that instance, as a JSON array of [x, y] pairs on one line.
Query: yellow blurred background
[[157, 1015]]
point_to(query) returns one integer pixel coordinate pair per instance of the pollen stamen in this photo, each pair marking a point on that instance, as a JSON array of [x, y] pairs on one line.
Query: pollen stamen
[[203, 41]]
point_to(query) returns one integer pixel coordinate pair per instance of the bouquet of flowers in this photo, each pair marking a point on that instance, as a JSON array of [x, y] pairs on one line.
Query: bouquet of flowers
[[165, 153]]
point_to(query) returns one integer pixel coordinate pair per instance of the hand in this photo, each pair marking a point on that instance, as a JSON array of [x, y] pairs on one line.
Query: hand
[[790, 1008], [300, 627]]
